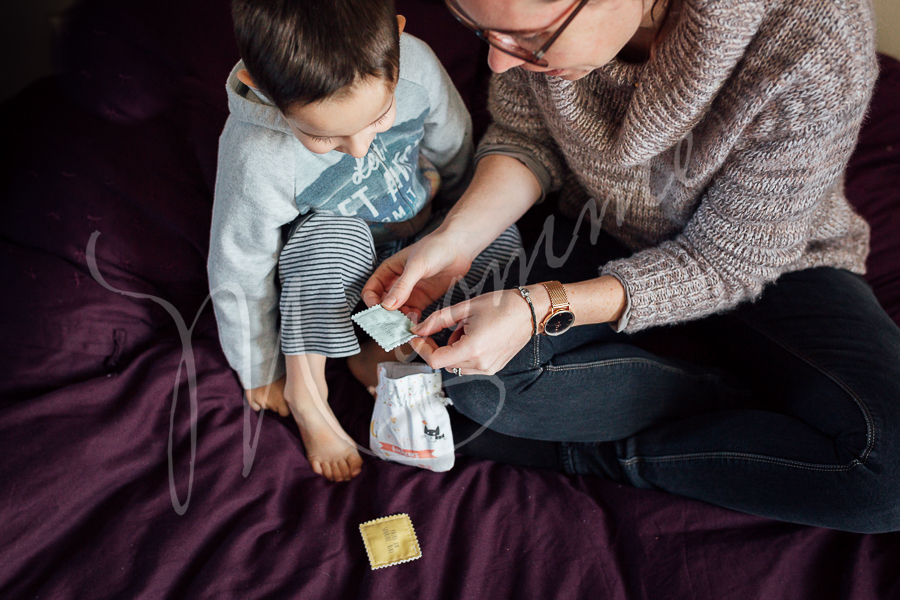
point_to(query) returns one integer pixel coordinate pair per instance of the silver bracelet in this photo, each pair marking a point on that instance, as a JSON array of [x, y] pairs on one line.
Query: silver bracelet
[[527, 295]]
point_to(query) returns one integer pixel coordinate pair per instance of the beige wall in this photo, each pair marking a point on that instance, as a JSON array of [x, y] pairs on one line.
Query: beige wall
[[888, 12]]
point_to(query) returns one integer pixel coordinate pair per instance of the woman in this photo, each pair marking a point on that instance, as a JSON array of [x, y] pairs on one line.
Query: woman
[[709, 140]]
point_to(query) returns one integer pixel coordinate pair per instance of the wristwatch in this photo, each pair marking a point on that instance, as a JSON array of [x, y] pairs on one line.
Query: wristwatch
[[560, 318]]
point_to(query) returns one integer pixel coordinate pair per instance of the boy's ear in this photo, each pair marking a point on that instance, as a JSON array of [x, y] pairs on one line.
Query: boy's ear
[[401, 22], [243, 76]]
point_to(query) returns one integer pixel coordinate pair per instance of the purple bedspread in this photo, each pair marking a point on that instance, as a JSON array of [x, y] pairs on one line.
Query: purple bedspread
[[111, 486]]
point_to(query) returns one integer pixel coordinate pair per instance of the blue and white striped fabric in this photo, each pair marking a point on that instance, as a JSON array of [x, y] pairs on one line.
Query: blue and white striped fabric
[[324, 266]]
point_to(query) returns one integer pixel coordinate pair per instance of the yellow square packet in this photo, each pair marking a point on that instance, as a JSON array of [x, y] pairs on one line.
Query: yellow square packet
[[390, 541]]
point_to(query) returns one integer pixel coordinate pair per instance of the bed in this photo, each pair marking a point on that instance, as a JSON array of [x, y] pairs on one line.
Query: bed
[[132, 469]]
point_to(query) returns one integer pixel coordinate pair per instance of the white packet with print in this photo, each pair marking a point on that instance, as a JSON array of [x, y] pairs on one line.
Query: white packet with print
[[410, 424]]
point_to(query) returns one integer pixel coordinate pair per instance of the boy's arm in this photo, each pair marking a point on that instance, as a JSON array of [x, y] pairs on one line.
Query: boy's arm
[[447, 141], [254, 197]]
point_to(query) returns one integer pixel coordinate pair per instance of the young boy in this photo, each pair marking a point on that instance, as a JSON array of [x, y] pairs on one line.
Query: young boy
[[342, 130]]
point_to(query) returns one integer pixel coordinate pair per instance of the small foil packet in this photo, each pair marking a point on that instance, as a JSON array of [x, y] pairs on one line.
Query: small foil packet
[[390, 328], [390, 541]]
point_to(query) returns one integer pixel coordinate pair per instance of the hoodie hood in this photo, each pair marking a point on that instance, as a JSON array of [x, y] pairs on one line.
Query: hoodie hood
[[251, 106]]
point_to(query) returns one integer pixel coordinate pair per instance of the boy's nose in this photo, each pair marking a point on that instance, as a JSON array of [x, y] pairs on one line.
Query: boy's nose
[[357, 146], [500, 61]]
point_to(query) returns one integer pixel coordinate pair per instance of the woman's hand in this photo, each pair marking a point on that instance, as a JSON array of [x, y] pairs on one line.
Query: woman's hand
[[491, 330], [494, 327], [502, 189], [419, 274]]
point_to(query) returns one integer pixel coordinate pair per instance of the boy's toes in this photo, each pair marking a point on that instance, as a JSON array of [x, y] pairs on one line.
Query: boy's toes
[[355, 464], [326, 471], [279, 406], [344, 469], [316, 466]]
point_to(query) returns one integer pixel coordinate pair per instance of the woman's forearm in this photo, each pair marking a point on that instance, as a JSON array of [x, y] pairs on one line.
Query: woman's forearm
[[502, 190], [599, 300]]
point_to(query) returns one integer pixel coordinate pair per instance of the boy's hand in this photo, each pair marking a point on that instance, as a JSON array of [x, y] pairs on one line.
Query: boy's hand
[[270, 397]]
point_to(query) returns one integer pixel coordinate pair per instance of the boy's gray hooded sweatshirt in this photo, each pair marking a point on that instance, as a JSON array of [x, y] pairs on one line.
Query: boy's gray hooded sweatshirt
[[266, 178]]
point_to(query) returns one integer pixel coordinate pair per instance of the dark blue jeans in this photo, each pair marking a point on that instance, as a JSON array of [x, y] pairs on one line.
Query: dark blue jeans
[[787, 408]]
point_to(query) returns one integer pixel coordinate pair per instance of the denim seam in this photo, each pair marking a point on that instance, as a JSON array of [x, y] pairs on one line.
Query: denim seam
[[536, 349], [749, 457], [618, 361], [565, 453], [870, 425]]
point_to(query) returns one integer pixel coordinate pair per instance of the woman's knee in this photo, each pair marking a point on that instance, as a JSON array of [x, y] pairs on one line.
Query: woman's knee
[[498, 402], [481, 398], [875, 502]]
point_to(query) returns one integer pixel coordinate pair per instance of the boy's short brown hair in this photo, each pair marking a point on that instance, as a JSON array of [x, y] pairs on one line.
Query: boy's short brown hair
[[302, 51]]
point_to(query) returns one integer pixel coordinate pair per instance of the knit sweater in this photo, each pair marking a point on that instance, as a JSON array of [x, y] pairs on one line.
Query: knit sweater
[[719, 162]]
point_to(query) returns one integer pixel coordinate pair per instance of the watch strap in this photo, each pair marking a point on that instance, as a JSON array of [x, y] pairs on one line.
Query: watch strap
[[527, 295], [558, 298]]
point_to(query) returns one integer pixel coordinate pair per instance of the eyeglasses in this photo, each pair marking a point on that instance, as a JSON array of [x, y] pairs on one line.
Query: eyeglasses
[[506, 41]]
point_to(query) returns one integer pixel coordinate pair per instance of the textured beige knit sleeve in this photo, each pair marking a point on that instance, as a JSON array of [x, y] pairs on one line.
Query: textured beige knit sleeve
[[758, 215], [518, 130]]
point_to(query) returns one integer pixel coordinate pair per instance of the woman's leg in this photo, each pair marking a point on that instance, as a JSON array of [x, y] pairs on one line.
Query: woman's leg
[[549, 390], [794, 414], [822, 444]]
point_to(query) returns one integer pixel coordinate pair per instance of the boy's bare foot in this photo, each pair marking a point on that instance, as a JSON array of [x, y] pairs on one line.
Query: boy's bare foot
[[364, 365], [330, 450], [269, 397]]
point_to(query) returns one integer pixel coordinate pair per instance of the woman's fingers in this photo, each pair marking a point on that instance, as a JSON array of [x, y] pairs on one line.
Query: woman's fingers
[[442, 319], [489, 333], [413, 314], [458, 355], [424, 347], [456, 335], [438, 357], [377, 285], [403, 287]]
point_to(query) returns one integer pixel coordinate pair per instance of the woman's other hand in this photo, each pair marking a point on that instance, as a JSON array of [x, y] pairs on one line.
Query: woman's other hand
[[491, 329]]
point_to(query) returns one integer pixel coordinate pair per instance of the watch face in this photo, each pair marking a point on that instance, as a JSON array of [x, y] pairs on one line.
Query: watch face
[[559, 323]]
